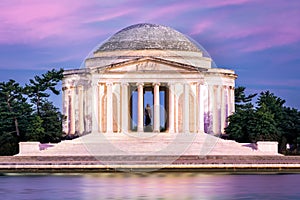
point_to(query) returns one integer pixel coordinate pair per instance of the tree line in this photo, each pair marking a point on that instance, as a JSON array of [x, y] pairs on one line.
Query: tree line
[[266, 120], [26, 114]]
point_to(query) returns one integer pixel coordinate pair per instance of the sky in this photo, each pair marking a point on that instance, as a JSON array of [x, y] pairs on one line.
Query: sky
[[259, 39]]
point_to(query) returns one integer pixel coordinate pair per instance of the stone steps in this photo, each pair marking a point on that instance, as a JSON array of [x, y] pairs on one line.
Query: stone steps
[[149, 144]]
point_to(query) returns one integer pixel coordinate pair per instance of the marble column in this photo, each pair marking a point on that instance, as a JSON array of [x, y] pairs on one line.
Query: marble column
[[176, 96], [200, 108], [223, 109], [211, 100], [109, 110], [227, 100], [171, 108], [124, 105], [140, 127], [232, 100], [156, 114], [186, 109], [71, 111], [66, 109], [81, 116], [88, 93], [206, 107], [216, 110], [100, 106], [95, 107], [117, 107]]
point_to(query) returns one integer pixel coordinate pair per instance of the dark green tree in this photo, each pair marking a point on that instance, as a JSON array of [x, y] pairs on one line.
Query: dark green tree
[[19, 121], [270, 120], [242, 101], [249, 124], [291, 129], [238, 128], [35, 132], [239, 125], [52, 122], [38, 88], [268, 102], [14, 112], [262, 126], [12, 103]]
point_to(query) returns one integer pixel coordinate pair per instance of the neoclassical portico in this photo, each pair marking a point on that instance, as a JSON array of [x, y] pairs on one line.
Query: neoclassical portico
[[186, 94]]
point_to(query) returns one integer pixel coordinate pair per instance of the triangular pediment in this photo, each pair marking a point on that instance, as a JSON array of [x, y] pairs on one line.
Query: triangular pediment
[[149, 64]]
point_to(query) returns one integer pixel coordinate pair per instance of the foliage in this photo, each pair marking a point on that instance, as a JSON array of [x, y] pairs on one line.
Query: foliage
[[38, 87], [52, 122], [26, 114], [270, 120], [241, 100]]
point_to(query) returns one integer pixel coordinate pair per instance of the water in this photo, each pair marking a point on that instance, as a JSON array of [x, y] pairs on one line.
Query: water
[[150, 186]]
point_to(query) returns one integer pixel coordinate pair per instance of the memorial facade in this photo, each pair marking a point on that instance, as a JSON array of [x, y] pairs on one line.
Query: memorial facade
[[142, 66]]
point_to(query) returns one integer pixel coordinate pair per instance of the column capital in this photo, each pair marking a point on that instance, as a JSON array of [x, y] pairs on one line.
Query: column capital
[[124, 83], [109, 83], [139, 84], [156, 83], [99, 83]]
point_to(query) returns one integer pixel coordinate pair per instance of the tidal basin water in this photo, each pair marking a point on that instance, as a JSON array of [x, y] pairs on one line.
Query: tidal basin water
[[150, 186]]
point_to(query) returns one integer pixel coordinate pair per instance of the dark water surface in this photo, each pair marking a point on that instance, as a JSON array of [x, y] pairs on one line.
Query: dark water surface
[[150, 186]]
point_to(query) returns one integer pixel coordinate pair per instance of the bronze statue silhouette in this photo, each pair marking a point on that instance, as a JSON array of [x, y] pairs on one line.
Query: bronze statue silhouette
[[147, 115]]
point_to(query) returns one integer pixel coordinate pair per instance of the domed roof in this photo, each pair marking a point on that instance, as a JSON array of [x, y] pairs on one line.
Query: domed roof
[[148, 36]]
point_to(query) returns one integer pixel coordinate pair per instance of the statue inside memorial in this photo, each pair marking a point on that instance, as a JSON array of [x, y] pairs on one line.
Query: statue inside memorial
[[148, 118]]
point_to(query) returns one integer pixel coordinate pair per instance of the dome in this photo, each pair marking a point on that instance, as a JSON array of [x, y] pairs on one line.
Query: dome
[[148, 36], [148, 40]]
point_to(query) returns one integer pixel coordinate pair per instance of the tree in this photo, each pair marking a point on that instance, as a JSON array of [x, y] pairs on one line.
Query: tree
[[270, 120], [52, 122], [38, 87], [11, 99], [35, 132], [291, 129], [249, 124], [19, 121], [238, 128], [262, 126], [239, 125], [14, 112], [241, 100]]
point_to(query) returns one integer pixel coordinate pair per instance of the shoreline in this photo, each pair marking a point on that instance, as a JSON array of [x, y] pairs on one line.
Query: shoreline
[[142, 163]]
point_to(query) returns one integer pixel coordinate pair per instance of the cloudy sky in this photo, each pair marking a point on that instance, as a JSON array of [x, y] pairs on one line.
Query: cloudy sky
[[259, 39]]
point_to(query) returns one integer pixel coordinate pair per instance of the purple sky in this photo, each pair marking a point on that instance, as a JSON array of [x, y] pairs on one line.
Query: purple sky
[[259, 39]]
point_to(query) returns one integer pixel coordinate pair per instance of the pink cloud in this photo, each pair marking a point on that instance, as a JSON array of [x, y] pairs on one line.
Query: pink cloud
[[39, 22], [110, 14], [175, 9], [258, 31], [280, 38], [168, 11], [222, 3], [201, 27]]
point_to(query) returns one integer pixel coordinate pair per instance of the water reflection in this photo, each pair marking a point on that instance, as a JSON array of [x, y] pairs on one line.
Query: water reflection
[[150, 186]]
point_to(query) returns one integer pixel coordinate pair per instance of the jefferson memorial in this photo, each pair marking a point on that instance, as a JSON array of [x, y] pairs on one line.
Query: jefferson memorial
[[154, 66], [148, 90]]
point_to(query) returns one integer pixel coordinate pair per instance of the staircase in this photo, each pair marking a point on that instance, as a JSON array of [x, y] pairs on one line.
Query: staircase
[[157, 144]]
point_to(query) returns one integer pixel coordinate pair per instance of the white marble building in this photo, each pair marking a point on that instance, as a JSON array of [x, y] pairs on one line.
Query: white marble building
[[148, 64]]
